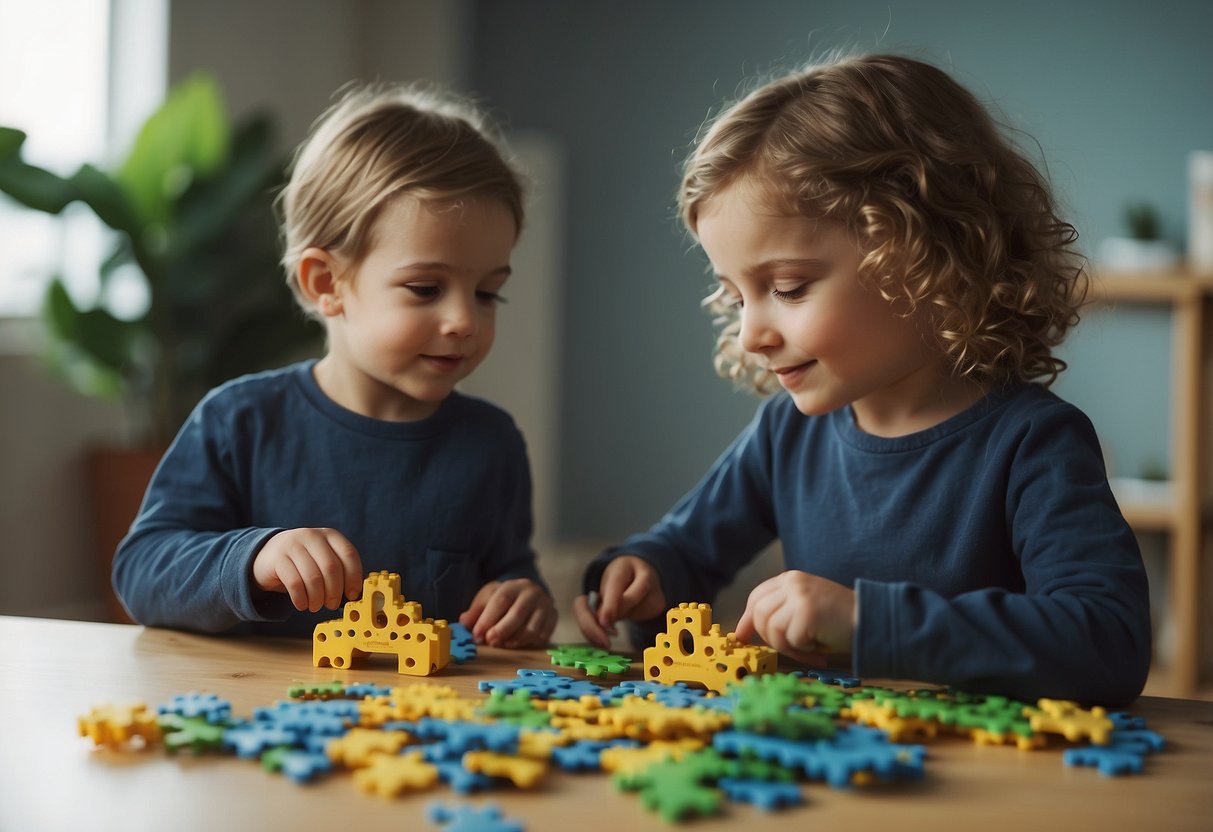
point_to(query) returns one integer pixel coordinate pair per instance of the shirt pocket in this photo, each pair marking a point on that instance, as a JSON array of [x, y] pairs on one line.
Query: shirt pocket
[[452, 581]]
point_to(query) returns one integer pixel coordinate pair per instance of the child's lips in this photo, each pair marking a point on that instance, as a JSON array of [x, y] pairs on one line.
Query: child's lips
[[444, 363]]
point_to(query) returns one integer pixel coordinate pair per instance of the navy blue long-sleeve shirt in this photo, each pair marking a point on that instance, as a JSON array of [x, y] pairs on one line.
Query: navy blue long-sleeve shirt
[[445, 501], [987, 552]]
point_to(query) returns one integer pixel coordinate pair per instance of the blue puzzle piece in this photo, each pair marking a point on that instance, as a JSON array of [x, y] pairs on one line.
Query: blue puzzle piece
[[840, 679], [461, 737], [303, 766], [767, 795], [361, 690], [543, 684], [1109, 759], [328, 718], [466, 818], [252, 739], [463, 645], [1140, 739], [460, 779], [1124, 721], [193, 704], [586, 755], [835, 760]]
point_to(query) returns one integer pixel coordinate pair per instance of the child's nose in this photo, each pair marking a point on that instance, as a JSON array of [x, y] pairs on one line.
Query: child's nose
[[756, 331], [459, 318]]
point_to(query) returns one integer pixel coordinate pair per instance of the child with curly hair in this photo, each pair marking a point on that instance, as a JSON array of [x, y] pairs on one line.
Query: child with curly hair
[[283, 489], [892, 262]]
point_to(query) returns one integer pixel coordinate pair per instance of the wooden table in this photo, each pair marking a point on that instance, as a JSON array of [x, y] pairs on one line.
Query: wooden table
[[52, 779]]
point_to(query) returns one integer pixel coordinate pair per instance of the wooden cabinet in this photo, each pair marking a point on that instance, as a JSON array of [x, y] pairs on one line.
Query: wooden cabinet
[[1184, 517]]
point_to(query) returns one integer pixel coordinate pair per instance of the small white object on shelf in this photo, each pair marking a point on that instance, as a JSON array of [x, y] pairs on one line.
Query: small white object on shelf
[[1128, 254], [1141, 492]]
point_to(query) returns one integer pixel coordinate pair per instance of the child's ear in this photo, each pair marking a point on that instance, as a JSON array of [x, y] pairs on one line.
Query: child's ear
[[319, 281]]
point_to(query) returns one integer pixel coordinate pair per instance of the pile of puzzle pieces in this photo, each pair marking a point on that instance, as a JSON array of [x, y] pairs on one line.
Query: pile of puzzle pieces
[[685, 751]]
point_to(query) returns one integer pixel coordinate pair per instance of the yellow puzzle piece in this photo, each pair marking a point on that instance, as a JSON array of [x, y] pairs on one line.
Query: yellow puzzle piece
[[382, 621], [693, 650], [116, 725]]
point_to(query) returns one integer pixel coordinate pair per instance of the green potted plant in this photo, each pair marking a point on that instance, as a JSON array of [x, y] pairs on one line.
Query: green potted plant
[[1144, 250], [191, 208]]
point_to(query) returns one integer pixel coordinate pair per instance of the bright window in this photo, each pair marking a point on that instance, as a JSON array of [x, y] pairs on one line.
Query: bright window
[[80, 75]]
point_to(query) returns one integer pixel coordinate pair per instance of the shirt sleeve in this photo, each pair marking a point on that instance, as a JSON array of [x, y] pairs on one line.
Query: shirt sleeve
[[187, 560], [714, 530], [513, 556], [1081, 627]]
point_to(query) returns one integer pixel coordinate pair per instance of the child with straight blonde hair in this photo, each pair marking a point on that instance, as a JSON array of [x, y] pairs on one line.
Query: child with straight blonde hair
[[285, 488], [889, 259]]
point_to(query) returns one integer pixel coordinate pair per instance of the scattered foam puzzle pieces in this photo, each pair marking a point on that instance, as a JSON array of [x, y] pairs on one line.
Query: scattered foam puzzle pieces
[[586, 755], [624, 759], [328, 718], [463, 818], [678, 788], [463, 645], [1059, 716], [460, 779], [193, 704], [543, 684], [356, 748], [830, 678], [253, 739], [1109, 759], [316, 690], [299, 765], [515, 708], [192, 732], [767, 795], [117, 725], [645, 719], [764, 705], [593, 661], [850, 757], [1123, 721], [389, 775], [523, 772], [461, 737]]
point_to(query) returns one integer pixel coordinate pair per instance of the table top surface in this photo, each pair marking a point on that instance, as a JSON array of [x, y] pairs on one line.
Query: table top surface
[[52, 672]]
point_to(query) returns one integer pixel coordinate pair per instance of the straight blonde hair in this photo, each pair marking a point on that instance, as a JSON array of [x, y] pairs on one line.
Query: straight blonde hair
[[378, 143]]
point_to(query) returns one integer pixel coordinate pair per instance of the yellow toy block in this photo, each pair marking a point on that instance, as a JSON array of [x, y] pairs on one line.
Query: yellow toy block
[[382, 621], [388, 775], [693, 650], [116, 725]]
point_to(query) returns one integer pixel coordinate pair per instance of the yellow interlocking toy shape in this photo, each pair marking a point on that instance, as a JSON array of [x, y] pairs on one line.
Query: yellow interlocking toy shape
[[693, 650], [382, 621]]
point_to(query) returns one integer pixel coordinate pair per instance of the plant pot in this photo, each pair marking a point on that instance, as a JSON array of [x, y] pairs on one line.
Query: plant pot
[[1127, 254], [117, 479]]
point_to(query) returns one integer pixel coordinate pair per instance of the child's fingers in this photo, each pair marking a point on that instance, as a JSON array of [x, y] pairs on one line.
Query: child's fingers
[[587, 622], [292, 582], [471, 615], [537, 630], [351, 564], [310, 575], [745, 627], [521, 601], [642, 598]]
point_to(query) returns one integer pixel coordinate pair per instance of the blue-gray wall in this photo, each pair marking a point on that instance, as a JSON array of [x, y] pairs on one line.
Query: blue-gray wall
[[1117, 94]]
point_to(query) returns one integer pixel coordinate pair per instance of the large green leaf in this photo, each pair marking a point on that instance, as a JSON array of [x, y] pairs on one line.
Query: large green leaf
[[94, 333], [107, 200], [187, 138], [34, 187], [11, 140]]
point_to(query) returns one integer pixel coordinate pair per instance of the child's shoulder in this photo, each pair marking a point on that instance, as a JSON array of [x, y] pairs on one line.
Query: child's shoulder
[[481, 414], [254, 389]]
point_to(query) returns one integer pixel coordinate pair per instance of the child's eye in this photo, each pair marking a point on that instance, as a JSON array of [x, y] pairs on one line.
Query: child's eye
[[791, 294], [423, 290], [490, 298]]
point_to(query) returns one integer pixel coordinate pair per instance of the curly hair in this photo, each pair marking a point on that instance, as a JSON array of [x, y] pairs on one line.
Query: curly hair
[[379, 142], [949, 215]]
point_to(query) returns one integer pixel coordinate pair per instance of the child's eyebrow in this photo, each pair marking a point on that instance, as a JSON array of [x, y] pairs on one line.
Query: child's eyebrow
[[435, 266], [783, 262]]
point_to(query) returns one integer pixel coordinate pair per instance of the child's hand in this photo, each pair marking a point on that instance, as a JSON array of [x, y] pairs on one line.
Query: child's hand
[[515, 613], [316, 567], [800, 615], [630, 589]]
